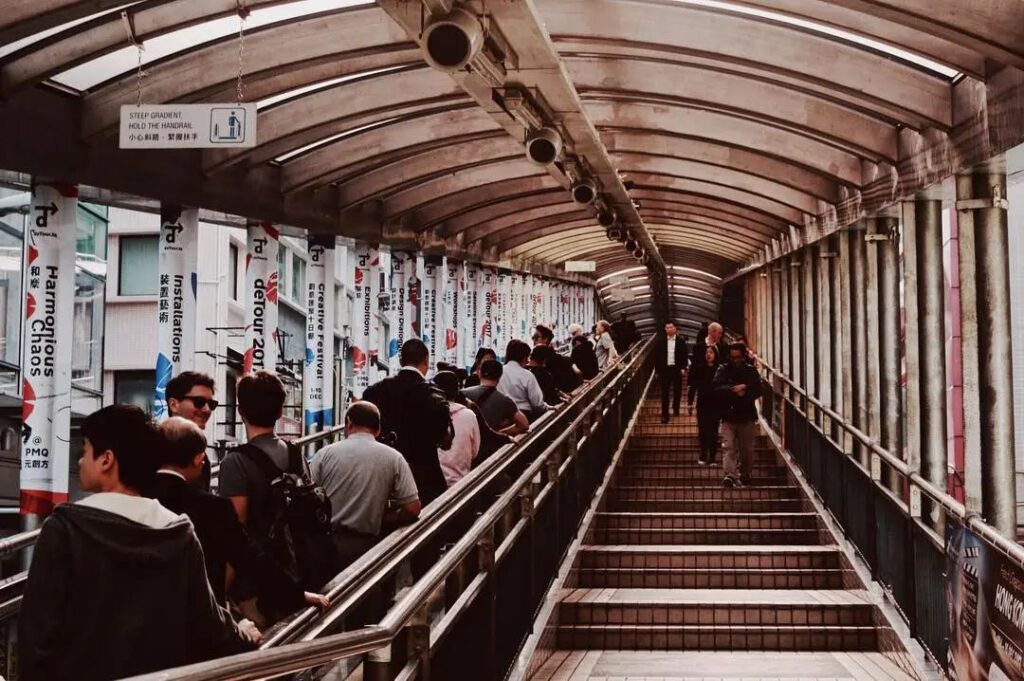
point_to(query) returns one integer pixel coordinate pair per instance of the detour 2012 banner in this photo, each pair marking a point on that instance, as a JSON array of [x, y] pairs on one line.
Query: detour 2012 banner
[[985, 592]]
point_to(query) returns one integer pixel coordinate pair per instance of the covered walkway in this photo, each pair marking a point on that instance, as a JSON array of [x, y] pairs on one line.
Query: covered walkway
[[839, 182]]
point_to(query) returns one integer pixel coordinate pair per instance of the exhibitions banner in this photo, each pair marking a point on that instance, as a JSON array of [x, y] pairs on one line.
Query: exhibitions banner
[[318, 368], [985, 594], [362, 317], [177, 263], [263, 242], [49, 267]]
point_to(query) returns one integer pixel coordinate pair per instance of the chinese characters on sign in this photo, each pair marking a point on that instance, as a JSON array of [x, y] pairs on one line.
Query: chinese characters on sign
[[188, 126]]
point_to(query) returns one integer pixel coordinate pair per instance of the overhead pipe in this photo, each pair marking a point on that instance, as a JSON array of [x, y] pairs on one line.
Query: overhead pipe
[[543, 146], [451, 41]]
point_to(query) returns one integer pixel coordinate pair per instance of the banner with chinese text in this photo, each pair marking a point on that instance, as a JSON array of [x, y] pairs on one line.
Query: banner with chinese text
[[177, 264], [318, 367], [263, 242]]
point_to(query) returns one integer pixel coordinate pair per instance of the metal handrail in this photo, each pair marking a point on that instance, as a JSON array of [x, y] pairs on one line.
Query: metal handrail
[[362, 576], [971, 520]]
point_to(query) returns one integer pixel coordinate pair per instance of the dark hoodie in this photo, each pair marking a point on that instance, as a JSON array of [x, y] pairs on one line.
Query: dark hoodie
[[108, 597]]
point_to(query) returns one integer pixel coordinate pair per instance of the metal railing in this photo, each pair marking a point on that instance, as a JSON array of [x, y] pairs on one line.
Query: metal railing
[[425, 601], [897, 535]]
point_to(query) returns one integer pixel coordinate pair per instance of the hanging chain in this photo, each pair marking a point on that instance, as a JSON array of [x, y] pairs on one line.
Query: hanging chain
[[243, 13], [134, 42]]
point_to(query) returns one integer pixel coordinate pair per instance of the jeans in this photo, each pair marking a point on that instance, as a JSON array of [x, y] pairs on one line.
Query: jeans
[[739, 448]]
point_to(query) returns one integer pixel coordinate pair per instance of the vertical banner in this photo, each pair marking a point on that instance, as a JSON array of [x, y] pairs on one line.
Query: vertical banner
[[588, 305], [564, 318], [403, 269], [486, 301], [470, 307], [317, 378], [262, 241], [362, 317], [453, 295], [551, 306], [374, 333], [46, 348], [498, 312], [177, 263], [431, 317], [518, 325]]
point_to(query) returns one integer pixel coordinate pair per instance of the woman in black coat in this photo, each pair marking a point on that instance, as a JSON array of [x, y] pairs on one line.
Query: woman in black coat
[[700, 379]]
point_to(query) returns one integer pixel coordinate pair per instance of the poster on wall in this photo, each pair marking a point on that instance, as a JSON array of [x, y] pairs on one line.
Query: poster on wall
[[470, 308], [318, 374], [431, 315], [499, 313], [403, 270], [362, 314], [177, 263], [985, 593], [486, 301], [49, 266], [453, 295], [376, 272], [262, 244]]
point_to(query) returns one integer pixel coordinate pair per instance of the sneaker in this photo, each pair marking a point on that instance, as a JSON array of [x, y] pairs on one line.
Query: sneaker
[[664, 419], [728, 482], [702, 461]]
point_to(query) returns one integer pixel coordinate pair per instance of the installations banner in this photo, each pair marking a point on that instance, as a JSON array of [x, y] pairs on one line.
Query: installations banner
[[46, 347], [403, 304], [263, 242], [431, 316], [177, 263], [453, 295], [318, 368], [985, 593], [362, 317]]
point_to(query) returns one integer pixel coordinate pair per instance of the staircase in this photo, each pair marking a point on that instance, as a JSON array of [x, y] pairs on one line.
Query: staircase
[[680, 578]]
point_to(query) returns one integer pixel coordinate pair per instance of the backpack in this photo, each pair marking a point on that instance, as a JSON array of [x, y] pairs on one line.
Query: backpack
[[300, 529]]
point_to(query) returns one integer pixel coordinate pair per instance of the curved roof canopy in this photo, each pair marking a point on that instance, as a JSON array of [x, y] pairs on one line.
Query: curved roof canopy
[[720, 131]]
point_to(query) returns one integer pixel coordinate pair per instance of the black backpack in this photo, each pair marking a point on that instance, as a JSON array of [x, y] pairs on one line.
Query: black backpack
[[300, 528]]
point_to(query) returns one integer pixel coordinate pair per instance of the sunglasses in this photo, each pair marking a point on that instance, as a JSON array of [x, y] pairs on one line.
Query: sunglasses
[[201, 402]]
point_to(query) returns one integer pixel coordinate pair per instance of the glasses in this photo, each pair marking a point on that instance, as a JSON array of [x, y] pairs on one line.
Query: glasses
[[201, 402]]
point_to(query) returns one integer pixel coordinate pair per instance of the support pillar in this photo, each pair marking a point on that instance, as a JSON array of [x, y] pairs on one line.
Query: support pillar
[[847, 366], [810, 330], [890, 403], [825, 341], [786, 345], [981, 205], [860, 399], [837, 330], [795, 326]]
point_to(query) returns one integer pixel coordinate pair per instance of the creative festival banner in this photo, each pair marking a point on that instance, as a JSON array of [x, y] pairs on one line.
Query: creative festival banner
[[402, 306], [263, 242], [486, 301], [46, 347], [453, 295], [985, 596], [375, 319], [177, 264], [470, 307], [431, 316], [318, 369], [362, 317]]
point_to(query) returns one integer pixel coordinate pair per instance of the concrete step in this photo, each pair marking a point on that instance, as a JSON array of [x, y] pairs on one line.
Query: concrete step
[[619, 503], [701, 491]]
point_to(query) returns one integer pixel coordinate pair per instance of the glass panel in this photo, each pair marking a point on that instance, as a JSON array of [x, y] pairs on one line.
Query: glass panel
[[135, 387], [229, 411], [233, 270], [292, 328], [92, 230], [137, 266], [10, 299], [298, 276], [87, 348], [282, 271]]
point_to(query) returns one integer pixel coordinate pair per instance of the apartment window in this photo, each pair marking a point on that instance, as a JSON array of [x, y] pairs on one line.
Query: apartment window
[[137, 266], [282, 271], [135, 387], [233, 270], [230, 407], [298, 277]]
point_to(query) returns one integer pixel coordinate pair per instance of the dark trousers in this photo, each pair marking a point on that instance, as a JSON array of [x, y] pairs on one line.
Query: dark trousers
[[671, 381], [708, 419]]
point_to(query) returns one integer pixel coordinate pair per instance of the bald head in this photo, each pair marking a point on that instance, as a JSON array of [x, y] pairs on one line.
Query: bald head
[[184, 445], [714, 332], [362, 417]]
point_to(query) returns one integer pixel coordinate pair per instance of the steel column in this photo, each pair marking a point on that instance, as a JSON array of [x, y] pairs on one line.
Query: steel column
[[785, 345], [890, 405], [911, 240], [824, 310], [775, 274], [847, 366], [810, 329], [795, 323], [835, 327], [983, 196], [970, 381]]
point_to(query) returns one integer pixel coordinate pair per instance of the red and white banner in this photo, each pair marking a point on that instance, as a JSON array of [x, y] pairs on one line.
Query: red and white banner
[[375, 320], [589, 309], [362, 317], [403, 310], [177, 263], [431, 317], [486, 301], [46, 347], [499, 312], [263, 242], [453, 294], [318, 367], [470, 307], [564, 318]]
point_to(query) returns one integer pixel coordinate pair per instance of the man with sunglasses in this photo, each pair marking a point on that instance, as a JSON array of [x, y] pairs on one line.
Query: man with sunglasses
[[190, 396]]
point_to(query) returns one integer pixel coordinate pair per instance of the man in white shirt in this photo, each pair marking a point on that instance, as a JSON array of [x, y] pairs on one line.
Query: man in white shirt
[[519, 383], [670, 361]]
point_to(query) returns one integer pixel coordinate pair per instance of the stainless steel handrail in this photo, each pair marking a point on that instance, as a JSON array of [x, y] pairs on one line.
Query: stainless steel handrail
[[361, 576], [973, 521]]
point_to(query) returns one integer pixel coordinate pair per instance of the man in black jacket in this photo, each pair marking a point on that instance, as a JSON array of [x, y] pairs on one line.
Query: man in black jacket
[[670, 362], [414, 412], [217, 526], [738, 385], [117, 585], [559, 365]]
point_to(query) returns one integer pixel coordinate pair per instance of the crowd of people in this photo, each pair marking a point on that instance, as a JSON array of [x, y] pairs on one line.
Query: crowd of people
[[153, 570], [725, 384]]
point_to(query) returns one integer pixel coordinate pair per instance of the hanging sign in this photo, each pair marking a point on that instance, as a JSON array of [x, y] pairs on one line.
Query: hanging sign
[[362, 318], [431, 316], [499, 312], [177, 264], [318, 367], [46, 348], [580, 265], [188, 126], [402, 309], [453, 286], [469, 342], [486, 301], [375, 290], [263, 242]]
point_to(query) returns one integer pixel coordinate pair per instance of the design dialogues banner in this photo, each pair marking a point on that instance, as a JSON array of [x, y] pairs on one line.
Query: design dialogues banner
[[404, 304], [985, 593], [363, 317], [46, 348], [177, 263], [263, 242], [318, 369]]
